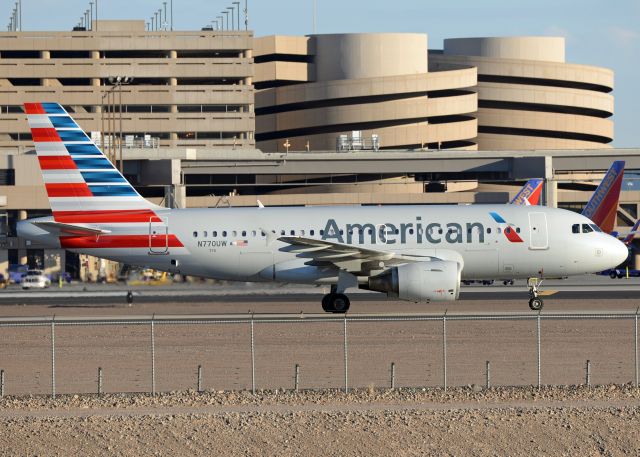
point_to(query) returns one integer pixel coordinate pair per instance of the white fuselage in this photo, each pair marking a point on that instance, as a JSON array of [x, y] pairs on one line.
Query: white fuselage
[[242, 243]]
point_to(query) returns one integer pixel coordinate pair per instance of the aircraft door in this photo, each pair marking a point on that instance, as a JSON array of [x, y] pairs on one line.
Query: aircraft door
[[539, 236], [158, 236]]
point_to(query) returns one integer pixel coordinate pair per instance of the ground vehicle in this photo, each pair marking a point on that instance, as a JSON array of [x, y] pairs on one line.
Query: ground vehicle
[[35, 279]]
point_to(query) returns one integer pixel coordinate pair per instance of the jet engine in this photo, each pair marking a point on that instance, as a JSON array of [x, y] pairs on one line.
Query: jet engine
[[437, 280]]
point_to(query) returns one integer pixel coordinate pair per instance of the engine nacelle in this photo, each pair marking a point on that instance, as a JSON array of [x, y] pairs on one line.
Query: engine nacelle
[[437, 280]]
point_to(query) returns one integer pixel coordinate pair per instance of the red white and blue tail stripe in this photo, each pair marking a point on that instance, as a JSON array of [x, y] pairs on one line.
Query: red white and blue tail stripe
[[77, 175]]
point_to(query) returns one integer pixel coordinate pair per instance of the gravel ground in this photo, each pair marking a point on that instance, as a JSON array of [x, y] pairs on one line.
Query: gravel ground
[[464, 421]]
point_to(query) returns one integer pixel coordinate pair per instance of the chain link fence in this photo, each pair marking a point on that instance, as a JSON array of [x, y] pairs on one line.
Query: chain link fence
[[164, 353]]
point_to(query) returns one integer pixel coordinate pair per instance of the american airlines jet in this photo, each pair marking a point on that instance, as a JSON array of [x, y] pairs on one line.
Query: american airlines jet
[[416, 253]]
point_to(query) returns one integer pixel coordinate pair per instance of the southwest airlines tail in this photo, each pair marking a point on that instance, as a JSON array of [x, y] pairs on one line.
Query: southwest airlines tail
[[603, 205], [529, 194], [83, 186]]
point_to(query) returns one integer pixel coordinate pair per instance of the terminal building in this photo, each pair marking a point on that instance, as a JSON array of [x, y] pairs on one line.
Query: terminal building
[[215, 118]]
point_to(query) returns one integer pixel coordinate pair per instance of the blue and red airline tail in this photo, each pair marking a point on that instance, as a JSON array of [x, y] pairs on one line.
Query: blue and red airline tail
[[530, 193], [603, 206], [83, 186]]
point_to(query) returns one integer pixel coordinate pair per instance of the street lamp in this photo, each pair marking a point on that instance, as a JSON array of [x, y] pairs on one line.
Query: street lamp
[[238, 6], [233, 19], [227, 17], [221, 22], [118, 82], [160, 19]]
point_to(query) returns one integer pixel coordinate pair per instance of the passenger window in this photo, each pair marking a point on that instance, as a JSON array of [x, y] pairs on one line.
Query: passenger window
[[575, 228], [586, 228], [488, 229], [321, 232], [301, 232], [499, 230], [507, 230], [283, 233], [312, 232], [214, 234], [204, 234], [195, 234], [234, 233], [244, 233], [224, 234], [410, 231], [293, 232], [517, 229], [253, 233]]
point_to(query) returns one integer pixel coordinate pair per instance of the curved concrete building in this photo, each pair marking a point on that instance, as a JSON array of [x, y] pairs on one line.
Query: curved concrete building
[[315, 90], [528, 97]]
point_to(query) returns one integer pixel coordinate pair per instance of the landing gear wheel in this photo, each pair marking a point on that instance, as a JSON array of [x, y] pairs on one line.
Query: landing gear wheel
[[325, 303], [335, 303], [536, 304], [612, 274]]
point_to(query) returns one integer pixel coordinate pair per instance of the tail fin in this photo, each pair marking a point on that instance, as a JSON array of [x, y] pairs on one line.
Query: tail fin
[[630, 236], [603, 205], [81, 182], [529, 194]]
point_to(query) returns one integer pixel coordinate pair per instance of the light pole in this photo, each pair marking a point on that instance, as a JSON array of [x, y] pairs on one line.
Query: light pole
[[227, 18], [233, 17], [221, 22], [238, 6], [91, 15], [96, 13], [160, 19], [171, 9], [165, 16]]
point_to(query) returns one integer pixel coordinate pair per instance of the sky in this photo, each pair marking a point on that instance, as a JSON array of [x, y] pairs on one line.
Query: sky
[[598, 32]]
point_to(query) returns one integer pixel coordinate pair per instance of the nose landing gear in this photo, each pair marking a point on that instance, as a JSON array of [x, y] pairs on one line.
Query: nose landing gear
[[535, 303]]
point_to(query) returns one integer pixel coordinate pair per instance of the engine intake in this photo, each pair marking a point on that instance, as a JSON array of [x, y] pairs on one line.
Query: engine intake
[[437, 280]]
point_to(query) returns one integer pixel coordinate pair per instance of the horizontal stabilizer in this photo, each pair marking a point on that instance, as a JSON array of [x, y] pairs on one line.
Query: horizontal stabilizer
[[71, 229]]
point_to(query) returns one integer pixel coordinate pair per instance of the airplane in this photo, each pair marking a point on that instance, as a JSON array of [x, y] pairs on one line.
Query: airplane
[[417, 253], [529, 194]]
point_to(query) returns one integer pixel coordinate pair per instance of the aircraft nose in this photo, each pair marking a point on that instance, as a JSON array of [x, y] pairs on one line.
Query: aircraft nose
[[617, 252]]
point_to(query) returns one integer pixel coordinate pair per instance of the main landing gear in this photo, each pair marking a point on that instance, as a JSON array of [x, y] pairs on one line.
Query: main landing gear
[[335, 302], [535, 303]]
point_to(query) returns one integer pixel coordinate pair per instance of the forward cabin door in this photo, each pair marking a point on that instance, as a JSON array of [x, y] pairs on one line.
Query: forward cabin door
[[158, 236], [539, 236]]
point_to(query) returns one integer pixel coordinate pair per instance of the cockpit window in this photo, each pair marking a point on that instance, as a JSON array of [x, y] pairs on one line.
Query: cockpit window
[[586, 228], [595, 228], [575, 228]]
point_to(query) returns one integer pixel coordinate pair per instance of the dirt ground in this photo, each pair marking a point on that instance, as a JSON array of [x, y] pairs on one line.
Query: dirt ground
[[467, 421]]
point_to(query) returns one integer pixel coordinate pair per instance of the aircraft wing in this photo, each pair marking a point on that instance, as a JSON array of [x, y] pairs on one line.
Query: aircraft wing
[[347, 257], [71, 229]]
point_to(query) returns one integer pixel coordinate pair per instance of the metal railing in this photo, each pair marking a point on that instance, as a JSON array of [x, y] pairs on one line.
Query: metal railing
[[252, 322]]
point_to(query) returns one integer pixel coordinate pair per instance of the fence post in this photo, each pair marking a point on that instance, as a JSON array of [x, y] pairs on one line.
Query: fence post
[[153, 356], [199, 378], [53, 357], [488, 374], [296, 378], [444, 350], [539, 355], [1, 383], [393, 375], [253, 360], [346, 359], [99, 381], [635, 346], [588, 373]]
